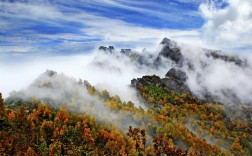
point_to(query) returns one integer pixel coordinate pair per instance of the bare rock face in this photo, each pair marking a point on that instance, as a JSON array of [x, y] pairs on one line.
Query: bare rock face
[[171, 51], [169, 82], [177, 74], [107, 49], [232, 59]]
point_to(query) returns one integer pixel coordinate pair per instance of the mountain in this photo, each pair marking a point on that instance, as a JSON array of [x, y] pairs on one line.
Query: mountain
[[50, 87], [210, 75], [185, 106]]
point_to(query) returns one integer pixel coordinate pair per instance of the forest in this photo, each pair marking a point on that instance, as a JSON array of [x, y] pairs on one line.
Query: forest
[[173, 122]]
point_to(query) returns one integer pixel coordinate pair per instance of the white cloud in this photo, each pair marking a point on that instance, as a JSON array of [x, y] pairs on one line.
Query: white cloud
[[19, 74], [228, 28], [91, 26], [29, 10], [19, 49]]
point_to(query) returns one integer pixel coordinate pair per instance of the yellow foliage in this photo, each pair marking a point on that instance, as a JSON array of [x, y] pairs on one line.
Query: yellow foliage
[[236, 145]]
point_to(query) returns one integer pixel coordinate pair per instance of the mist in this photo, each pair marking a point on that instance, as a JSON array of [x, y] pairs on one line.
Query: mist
[[59, 90], [226, 81]]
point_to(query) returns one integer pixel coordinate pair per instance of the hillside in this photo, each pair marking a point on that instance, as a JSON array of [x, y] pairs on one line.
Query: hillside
[[173, 122], [176, 112]]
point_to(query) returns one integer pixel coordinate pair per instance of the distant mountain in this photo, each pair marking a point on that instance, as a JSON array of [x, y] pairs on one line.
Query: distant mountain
[[171, 50], [50, 87], [201, 70]]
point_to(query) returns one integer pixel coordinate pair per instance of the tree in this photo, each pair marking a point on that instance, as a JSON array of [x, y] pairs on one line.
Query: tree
[[164, 146], [139, 137], [236, 146]]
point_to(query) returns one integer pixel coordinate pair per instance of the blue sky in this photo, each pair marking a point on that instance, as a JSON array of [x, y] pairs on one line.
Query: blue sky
[[60, 27]]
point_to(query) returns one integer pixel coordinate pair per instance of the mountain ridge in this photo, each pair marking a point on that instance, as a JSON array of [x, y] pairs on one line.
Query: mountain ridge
[[183, 64]]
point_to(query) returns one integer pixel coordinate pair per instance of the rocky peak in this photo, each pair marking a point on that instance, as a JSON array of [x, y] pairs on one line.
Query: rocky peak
[[166, 41], [106, 49], [171, 50], [232, 59], [177, 74]]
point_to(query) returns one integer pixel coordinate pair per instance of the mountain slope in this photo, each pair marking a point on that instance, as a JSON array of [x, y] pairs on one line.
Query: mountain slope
[[172, 119], [57, 115]]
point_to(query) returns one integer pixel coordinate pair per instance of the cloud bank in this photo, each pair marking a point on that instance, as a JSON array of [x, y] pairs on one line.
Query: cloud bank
[[59, 90], [228, 24]]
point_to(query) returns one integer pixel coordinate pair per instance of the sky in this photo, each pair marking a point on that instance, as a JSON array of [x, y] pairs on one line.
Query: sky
[[59, 27], [46, 30]]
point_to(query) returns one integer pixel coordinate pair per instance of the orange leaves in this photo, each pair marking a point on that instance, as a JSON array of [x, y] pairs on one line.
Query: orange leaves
[[84, 120], [113, 145], [62, 116], [47, 112], [34, 116], [244, 136], [41, 111], [217, 124], [236, 146], [189, 136], [122, 152], [47, 125], [104, 134], [88, 136], [162, 118], [11, 115], [59, 131], [182, 128], [192, 106], [30, 152], [211, 130], [211, 115], [174, 109]]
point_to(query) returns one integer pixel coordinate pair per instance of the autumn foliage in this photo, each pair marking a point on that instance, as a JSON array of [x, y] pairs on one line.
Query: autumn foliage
[[170, 123]]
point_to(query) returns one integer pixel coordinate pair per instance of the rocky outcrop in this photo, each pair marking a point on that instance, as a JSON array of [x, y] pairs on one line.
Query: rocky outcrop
[[107, 49], [232, 59], [171, 51], [172, 56], [169, 82], [177, 74]]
